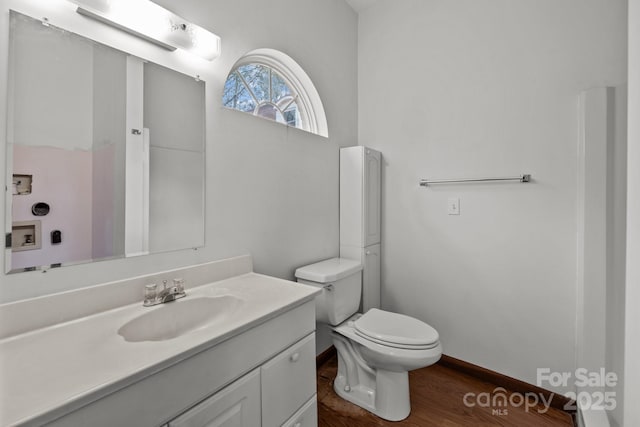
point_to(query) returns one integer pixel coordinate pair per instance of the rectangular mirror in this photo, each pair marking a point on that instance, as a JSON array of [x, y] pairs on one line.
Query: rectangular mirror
[[105, 152]]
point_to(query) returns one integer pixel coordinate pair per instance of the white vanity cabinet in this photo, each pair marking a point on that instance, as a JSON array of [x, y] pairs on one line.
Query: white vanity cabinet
[[239, 350], [236, 405], [264, 376], [307, 416], [288, 382], [280, 392]]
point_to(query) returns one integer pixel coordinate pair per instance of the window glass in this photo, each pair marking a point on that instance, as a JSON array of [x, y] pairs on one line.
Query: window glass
[[279, 88], [257, 79], [262, 91], [244, 101]]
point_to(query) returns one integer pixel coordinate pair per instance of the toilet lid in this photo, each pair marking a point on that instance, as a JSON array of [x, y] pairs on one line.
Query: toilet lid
[[395, 329]]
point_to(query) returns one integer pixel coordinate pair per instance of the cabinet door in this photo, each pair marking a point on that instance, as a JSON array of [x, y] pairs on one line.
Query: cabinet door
[[307, 416], [371, 193], [237, 405], [288, 381], [371, 278]]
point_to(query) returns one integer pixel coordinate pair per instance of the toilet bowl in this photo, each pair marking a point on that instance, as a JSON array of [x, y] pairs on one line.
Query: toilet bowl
[[373, 373], [375, 349]]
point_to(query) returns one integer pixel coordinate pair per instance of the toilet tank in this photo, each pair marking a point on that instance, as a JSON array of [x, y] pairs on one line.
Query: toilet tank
[[341, 283]]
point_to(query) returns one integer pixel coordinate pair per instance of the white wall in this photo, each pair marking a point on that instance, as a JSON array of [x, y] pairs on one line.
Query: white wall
[[632, 296], [270, 190], [484, 88]]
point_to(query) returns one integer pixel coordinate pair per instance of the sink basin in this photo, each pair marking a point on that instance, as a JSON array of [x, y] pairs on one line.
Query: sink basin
[[180, 317]]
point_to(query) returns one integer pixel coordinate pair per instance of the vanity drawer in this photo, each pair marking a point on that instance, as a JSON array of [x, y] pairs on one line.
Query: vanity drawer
[[307, 416], [288, 381], [236, 405]]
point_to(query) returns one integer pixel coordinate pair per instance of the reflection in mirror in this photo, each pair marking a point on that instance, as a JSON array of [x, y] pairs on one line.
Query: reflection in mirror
[[112, 144]]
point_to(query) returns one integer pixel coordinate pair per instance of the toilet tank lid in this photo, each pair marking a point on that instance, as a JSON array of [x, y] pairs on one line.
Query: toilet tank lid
[[328, 270]]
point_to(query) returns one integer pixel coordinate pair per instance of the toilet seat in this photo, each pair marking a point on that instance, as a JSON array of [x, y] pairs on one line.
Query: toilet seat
[[395, 330]]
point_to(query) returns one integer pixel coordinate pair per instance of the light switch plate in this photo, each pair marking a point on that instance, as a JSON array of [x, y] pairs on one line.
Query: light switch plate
[[453, 206]]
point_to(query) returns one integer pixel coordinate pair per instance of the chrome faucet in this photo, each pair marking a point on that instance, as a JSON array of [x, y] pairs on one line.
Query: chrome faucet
[[154, 297]]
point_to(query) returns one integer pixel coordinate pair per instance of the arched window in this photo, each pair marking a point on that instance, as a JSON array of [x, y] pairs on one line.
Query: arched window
[[269, 84], [258, 89]]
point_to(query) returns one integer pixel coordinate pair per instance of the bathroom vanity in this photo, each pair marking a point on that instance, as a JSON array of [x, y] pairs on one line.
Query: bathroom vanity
[[238, 350]]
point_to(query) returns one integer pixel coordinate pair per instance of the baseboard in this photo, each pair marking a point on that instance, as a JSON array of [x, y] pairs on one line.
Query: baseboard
[[323, 357], [557, 401]]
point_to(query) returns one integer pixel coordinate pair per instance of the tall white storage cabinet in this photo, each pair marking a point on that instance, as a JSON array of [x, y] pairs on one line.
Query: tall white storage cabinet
[[360, 170]]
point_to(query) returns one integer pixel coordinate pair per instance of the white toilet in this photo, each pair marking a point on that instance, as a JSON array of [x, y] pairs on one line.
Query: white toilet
[[375, 349]]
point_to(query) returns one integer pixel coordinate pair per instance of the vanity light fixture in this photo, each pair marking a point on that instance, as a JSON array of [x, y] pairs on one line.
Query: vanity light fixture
[[153, 23]]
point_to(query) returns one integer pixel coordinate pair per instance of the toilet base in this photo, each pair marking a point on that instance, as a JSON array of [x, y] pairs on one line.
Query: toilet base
[[384, 393], [389, 401]]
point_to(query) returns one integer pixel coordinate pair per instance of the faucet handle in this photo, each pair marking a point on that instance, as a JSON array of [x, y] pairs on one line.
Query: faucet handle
[[150, 294], [179, 285]]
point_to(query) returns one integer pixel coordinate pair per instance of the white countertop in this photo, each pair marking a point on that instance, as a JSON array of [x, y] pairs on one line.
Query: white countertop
[[73, 363]]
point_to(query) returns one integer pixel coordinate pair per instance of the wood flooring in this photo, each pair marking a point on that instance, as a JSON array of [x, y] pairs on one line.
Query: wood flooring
[[437, 394]]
